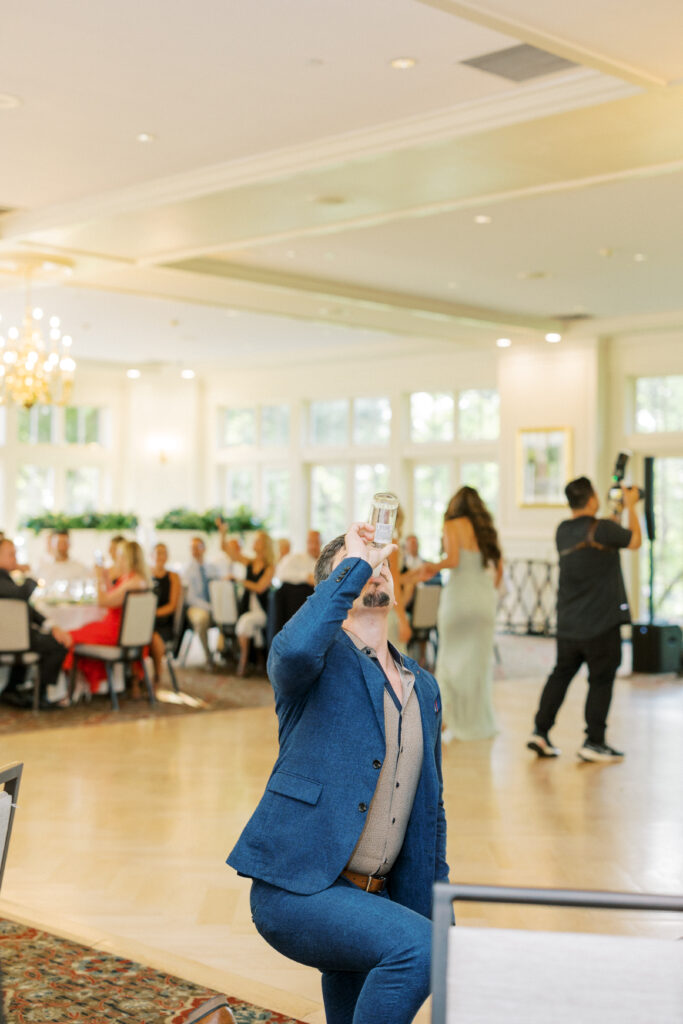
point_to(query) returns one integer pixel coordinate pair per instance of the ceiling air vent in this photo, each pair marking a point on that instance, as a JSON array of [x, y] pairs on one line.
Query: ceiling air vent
[[572, 318], [520, 63]]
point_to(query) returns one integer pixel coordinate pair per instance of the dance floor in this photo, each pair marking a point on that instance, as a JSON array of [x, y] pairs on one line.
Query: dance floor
[[122, 831]]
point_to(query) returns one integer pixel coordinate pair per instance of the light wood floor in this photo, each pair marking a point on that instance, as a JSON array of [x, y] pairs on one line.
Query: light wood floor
[[122, 831]]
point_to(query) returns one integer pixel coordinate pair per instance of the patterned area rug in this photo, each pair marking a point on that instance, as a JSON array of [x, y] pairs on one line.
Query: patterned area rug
[[46, 978], [200, 691]]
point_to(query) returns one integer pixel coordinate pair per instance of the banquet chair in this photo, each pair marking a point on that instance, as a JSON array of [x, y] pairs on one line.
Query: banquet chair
[[10, 777], [492, 975], [135, 633], [423, 619], [172, 646], [15, 641], [223, 599]]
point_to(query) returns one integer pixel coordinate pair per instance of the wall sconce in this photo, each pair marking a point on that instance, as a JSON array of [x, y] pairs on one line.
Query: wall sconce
[[163, 446]]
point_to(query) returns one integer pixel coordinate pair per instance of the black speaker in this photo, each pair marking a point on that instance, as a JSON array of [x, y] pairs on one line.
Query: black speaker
[[656, 647], [650, 496]]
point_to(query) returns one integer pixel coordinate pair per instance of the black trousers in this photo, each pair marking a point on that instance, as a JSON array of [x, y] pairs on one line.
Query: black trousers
[[52, 654], [602, 654]]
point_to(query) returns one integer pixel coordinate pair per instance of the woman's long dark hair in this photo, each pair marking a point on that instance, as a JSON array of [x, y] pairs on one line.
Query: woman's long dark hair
[[467, 502]]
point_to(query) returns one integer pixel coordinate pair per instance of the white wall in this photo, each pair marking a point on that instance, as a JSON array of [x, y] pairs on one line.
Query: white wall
[[549, 387]]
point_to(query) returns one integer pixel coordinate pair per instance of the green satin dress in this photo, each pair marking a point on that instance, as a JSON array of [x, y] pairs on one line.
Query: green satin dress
[[464, 663]]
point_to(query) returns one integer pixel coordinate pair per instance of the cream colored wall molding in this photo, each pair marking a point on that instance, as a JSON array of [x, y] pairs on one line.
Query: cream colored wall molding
[[577, 89]]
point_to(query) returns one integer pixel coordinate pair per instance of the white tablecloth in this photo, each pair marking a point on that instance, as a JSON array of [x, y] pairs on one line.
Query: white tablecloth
[[70, 616]]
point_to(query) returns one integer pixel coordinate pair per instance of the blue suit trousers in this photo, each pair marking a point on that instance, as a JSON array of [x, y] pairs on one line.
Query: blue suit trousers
[[374, 955]]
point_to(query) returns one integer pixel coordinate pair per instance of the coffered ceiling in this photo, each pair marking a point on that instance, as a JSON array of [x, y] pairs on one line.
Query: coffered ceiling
[[301, 195]]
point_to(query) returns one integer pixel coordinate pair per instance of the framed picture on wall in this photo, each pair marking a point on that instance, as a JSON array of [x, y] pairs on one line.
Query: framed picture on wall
[[544, 466]]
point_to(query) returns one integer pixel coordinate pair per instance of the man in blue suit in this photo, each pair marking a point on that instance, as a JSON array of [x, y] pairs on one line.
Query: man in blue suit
[[350, 834]]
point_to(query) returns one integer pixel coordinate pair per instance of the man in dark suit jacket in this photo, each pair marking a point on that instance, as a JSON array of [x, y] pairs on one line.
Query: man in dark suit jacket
[[350, 834], [51, 647]]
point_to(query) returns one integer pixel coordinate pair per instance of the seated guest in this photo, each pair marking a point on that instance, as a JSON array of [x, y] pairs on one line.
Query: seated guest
[[114, 569], [411, 555], [298, 566], [253, 604], [197, 574], [166, 585], [410, 575], [50, 646], [283, 548], [61, 566], [132, 576]]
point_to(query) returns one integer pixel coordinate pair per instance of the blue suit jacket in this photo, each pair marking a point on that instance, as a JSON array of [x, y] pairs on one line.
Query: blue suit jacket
[[330, 708]]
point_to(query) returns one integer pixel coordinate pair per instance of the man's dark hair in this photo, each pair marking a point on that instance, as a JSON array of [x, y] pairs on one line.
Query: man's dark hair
[[579, 492], [323, 567]]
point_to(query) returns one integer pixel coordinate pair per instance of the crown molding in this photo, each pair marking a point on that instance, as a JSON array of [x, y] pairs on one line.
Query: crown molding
[[576, 89]]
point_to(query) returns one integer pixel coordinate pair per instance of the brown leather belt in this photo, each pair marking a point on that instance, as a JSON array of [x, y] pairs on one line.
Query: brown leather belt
[[371, 883]]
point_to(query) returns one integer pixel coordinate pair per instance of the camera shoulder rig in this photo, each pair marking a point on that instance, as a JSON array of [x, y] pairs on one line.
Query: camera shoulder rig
[[589, 541]]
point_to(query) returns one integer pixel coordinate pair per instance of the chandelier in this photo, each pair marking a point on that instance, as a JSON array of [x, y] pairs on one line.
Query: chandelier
[[35, 368]]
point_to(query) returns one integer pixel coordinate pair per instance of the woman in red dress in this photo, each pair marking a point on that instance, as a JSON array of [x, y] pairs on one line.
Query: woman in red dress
[[132, 575]]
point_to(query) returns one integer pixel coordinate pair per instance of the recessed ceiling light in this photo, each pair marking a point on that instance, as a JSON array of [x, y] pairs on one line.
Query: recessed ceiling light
[[132, 374], [403, 63], [187, 374], [146, 137], [9, 102], [503, 343], [37, 313], [532, 275], [639, 257], [482, 218], [553, 337]]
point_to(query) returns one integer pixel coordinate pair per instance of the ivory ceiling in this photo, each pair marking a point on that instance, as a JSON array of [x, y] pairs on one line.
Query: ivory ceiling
[[303, 197]]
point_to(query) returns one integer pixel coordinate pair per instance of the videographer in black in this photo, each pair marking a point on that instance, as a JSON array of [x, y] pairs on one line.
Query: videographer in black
[[591, 607]]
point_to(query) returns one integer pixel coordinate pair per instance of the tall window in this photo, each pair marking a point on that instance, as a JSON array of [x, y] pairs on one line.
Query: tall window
[[371, 421], [82, 424], [659, 404], [236, 487], [35, 425], [668, 548], [82, 489], [431, 416], [35, 491], [479, 415], [274, 425], [483, 476], [328, 500], [431, 492], [275, 499], [368, 479], [236, 427], [329, 422]]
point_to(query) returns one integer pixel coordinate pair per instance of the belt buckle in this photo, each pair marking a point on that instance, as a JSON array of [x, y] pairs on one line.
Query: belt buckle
[[369, 883]]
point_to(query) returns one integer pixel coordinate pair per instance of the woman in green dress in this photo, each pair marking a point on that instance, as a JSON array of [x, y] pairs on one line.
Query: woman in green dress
[[467, 613]]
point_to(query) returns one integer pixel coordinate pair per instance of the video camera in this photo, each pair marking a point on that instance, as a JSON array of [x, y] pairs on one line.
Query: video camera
[[615, 495]]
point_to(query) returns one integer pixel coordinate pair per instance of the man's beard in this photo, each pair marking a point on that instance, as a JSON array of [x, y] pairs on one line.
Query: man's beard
[[376, 598]]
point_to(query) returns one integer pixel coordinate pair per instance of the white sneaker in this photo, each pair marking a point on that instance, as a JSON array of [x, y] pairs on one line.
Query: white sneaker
[[598, 752], [542, 746]]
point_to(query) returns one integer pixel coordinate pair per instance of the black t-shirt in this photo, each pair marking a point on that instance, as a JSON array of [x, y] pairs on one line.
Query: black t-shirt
[[591, 596]]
